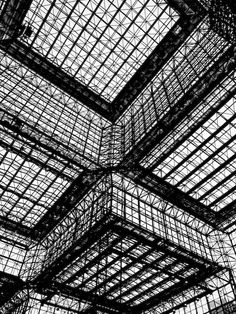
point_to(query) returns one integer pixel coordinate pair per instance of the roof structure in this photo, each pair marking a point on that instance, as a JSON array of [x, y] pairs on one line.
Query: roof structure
[[117, 156]]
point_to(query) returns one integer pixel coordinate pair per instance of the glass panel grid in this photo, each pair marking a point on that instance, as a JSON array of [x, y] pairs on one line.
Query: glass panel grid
[[206, 160], [171, 83], [100, 43], [11, 256], [139, 270], [26, 190], [54, 113], [46, 139]]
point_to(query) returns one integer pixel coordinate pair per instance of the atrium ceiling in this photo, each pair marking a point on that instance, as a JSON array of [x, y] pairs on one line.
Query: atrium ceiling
[[117, 156]]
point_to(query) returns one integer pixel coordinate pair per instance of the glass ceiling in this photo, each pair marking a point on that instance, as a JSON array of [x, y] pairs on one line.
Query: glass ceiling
[[203, 165], [47, 139], [146, 270], [100, 43], [141, 278]]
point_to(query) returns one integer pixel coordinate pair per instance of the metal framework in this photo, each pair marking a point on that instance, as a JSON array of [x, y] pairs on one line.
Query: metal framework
[[117, 156]]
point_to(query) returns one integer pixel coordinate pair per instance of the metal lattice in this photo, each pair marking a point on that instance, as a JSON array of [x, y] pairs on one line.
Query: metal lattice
[[117, 157]]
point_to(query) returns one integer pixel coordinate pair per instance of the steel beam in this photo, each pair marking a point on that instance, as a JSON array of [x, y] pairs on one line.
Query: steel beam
[[75, 192], [186, 7], [123, 254], [192, 129], [214, 134], [226, 215], [183, 107], [45, 283], [190, 300], [121, 270], [76, 249], [177, 288], [38, 137], [222, 15], [179, 273], [165, 190], [186, 104], [163, 52], [61, 307], [216, 170], [137, 274], [173, 195], [41, 66], [164, 270], [11, 18], [15, 226], [105, 304], [9, 285], [162, 245], [108, 250]]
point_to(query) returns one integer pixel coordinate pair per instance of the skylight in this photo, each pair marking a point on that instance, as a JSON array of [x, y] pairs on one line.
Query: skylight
[[100, 43]]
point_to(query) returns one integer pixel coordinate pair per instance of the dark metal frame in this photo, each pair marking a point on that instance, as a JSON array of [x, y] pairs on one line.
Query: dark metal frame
[[123, 153]]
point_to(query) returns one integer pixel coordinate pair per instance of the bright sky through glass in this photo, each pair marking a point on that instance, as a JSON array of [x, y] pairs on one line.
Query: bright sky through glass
[[100, 43]]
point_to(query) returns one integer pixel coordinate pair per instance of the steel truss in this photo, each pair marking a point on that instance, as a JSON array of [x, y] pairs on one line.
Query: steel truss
[[222, 16], [107, 222], [109, 241], [12, 16]]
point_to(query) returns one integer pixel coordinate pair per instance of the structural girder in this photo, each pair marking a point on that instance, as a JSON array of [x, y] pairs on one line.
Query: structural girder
[[46, 282], [173, 195], [185, 105], [164, 246], [37, 137], [190, 15], [177, 288], [80, 245], [56, 76], [100, 302], [186, 7], [66, 202], [209, 113], [9, 284], [163, 52], [222, 15], [14, 226], [111, 111], [12, 16], [170, 193], [226, 214]]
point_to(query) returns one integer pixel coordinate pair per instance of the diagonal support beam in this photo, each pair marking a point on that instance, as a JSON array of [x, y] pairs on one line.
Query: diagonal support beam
[[173, 195], [147, 179], [105, 304], [186, 104], [165, 246], [9, 285], [22, 132], [177, 288], [76, 249], [222, 14], [226, 215], [163, 52], [66, 202], [11, 18], [15, 226], [56, 76]]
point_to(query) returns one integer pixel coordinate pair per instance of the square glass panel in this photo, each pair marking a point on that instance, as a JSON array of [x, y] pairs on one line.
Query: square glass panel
[[100, 43]]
